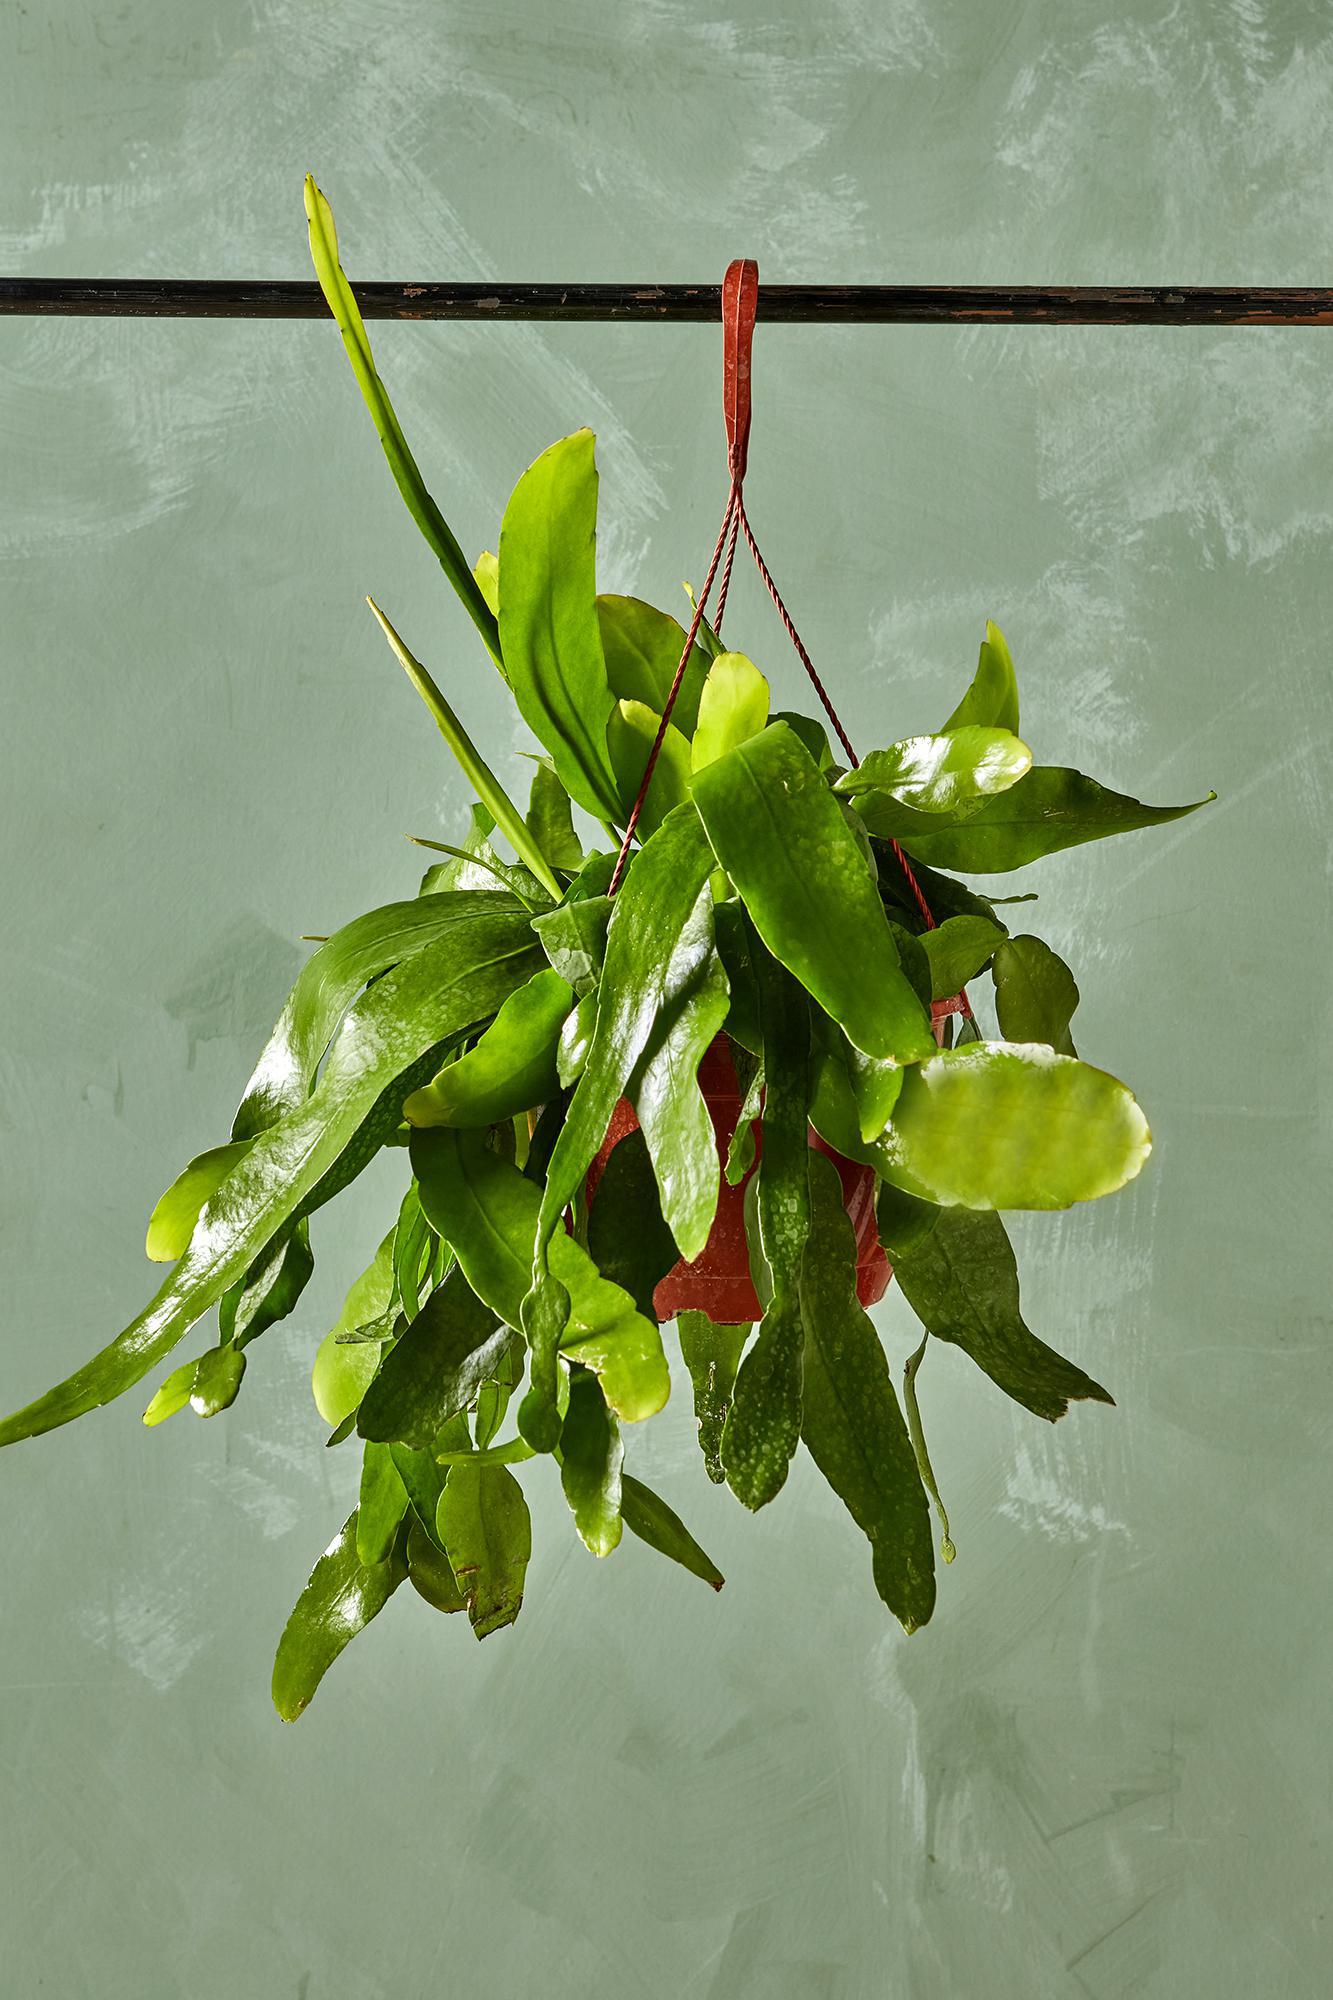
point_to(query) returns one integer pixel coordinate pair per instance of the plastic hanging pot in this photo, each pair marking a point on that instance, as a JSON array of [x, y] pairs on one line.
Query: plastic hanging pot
[[718, 1282]]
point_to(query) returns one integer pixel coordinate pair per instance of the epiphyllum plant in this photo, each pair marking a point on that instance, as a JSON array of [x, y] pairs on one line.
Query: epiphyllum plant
[[533, 1043]]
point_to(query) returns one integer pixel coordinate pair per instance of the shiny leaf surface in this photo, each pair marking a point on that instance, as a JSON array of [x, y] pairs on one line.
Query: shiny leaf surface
[[956, 951], [487, 1210], [763, 1425], [494, 1394], [741, 1145], [435, 1367], [657, 946], [664, 1089], [945, 773], [342, 1374], [857, 1090], [571, 1053], [712, 1353], [591, 1456], [270, 1289], [402, 1014], [851, 1422], [574, 939], [550, 637], [777, 830], [175, 1213], [991, 700], [172, 1395], [486, 571], [1012, 1125], [382, 1505], [1050, 809], [429, 1571], [1035, 994], [631, 735], [217, 1380], [341, 1598], [487, 1535], [511, 1067], [647, 1515], [334, 976], [423, 1481], [414, 1244], [642, 647], [342, 304], [732, 707], [961, 1281]]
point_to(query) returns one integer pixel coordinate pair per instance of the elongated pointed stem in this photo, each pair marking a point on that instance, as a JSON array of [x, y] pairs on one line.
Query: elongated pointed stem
[[342, 304], [918, 1437], [498, 872], [483, 780]]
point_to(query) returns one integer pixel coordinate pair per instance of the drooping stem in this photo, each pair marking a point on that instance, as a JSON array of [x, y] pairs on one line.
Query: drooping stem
[[918, 1437]]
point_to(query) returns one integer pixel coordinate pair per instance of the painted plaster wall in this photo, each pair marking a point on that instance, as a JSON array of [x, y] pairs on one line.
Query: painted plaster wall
[[1104, 1770]]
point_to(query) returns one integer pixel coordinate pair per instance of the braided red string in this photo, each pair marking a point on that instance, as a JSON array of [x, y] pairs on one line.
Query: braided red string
[[622, 859], [795, 638], [740, 296], [726, 572]]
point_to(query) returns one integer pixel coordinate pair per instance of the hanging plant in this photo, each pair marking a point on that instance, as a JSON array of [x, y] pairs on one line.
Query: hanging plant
[[717, 1064]]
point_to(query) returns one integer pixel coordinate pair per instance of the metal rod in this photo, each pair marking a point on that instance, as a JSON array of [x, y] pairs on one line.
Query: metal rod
[[830, 305]]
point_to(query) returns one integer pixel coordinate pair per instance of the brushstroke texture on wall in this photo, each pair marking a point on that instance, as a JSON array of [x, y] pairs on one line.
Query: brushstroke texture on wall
[[1104, 1769]]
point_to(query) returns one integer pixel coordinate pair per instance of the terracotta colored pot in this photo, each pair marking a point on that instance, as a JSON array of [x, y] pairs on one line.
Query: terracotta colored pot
[[718, 1282]]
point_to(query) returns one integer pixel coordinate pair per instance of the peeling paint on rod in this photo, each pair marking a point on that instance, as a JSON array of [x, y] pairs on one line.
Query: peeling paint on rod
[[831, 305]]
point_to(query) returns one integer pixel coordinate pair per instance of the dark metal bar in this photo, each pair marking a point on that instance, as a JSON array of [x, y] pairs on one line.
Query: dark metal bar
[[830, 305]]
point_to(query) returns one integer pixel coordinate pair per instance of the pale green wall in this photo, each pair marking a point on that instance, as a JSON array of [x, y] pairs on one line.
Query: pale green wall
[[1104, 1770]]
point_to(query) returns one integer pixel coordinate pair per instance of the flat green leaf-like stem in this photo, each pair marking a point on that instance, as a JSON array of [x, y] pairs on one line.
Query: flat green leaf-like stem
[[1012, 1125], [732, 708], [779, 832], [550, 819], [382, 1505], [487, 1535], [1052, 808], [549, 632], [409, 1010], [712, 1353], [664, 1088], [956, 951], [763, 1426], [510, 1068], [1035, 994], [945, 773], [332, 978], [658, 945], [171, 1224], [961, 1281], [630, 736], [851, 1424], [341, 1598], [435, 1367], [474, 766], [270, 1289], [647, 1515], [342, 1371], [342, 304], [591, 1456], [642, 647], [487, 1211], [628, 1239], [992, 699], [429, 1572]]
